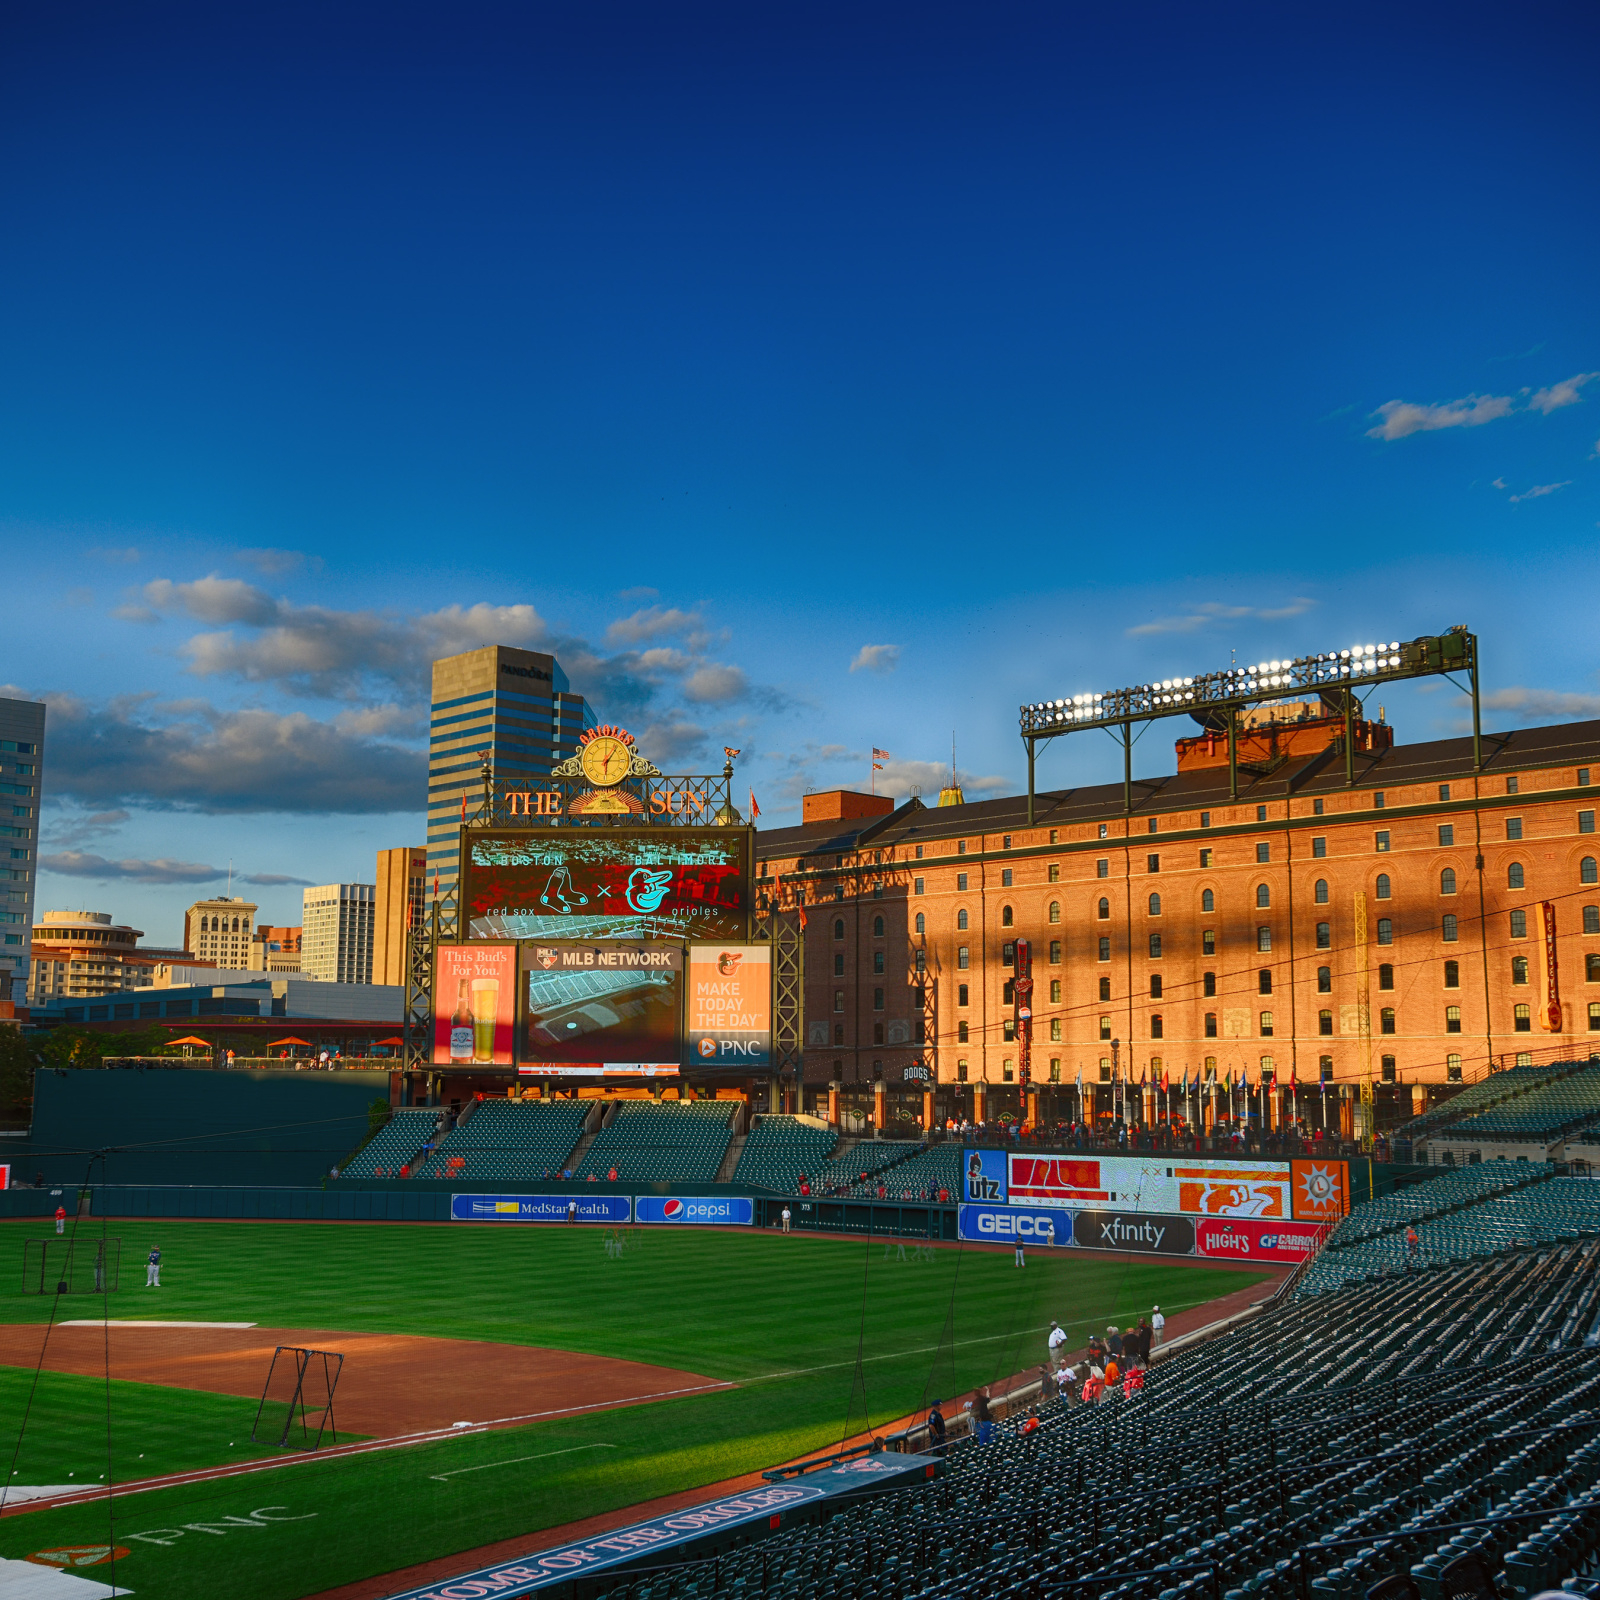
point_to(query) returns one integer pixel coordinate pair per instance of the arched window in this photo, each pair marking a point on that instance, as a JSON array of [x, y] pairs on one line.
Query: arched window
[[1103, 911], [1514, 876], [205, 925], [1381, 888], [1263, 897], [1320, 892], [1005, 916], [1155, 946], [838, 927], [1155, 905], [877, 927], [922, 923], [1155, 1026], [1449, 932], [1055, 910], [1447, 881], [961, 919], [1385, 931], [1587, 872], [1208, 901], [1591, 919]]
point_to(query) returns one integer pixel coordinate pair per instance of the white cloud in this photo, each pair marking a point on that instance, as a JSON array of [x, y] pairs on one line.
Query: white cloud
[[214, 599], [899, 778], [1558, 703], [1561, 394], [652, 622], [1212, 612], [1499, 483], [715, 684], [77, 864], [876, 658], [1539, 490], [1400, 418], [273, 563]]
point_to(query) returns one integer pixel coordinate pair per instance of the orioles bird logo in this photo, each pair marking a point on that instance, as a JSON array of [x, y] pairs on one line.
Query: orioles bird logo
[[728, 963], [646, 889]]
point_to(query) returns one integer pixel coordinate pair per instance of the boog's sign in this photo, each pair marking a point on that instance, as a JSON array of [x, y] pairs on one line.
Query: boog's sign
[[612, 1208], [1140, 1232], [723, 1211], [1009, 1224]]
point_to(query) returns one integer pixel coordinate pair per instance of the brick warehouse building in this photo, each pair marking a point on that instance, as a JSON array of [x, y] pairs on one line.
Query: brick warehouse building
[[1198, 930]]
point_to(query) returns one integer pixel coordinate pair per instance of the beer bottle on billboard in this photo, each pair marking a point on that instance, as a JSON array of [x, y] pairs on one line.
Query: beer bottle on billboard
[[461, 1023]]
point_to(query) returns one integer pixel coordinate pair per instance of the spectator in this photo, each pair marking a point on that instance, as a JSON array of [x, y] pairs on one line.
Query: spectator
[[1093, 1386], [1144, 1332], [1158, 1324], [786, 1219], [611, 1176], [936, 1429], [572, 1211], [944, 1196], [1057, 1345], [1413, 1243], [1134, 1382], [1112, 1374], [805, 1187], [1047, 1383], [982, 1421], [1113, 1341]]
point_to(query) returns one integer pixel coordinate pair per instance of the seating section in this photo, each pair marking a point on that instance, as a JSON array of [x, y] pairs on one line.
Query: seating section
[[1495, 1089], [510, 1140], [779, 1150], [1545, 1112], [1324, 1446], [842, 1174], [1505, 1216], [938, 1167], [396, 1143], [684, 1141], [1450, 1190]]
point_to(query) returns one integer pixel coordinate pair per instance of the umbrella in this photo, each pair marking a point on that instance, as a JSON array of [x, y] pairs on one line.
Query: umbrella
[[273, 1044], [206, 1043], [395, 1040]]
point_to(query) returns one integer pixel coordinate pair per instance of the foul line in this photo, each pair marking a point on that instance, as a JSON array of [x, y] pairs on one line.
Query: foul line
[[456, 1472]]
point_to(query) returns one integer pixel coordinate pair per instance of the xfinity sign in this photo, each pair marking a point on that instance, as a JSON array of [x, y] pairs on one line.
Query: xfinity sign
[[1013, 1224]]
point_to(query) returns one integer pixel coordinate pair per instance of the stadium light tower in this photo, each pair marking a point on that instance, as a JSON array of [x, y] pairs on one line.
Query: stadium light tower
[[1215, 699]]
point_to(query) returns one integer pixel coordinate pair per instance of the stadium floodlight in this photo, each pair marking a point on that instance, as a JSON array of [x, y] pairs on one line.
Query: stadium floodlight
[[1214, 699]]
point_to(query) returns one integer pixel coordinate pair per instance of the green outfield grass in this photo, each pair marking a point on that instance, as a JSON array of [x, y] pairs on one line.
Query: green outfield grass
[[783, 1317]]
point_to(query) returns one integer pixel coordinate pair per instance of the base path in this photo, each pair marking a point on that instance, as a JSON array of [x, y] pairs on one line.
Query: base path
[[391, 1383]]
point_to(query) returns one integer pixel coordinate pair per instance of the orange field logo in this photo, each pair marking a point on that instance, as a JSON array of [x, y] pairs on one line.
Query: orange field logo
[[80, 1555]]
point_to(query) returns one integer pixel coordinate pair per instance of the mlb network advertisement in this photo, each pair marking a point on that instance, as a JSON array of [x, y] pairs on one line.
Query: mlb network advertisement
[[475, 999], [728, 1006], [1246, 1210], [590, 1006], [607, 883]]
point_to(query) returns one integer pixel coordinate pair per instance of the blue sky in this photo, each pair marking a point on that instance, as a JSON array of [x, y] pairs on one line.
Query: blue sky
[[1039, 348]]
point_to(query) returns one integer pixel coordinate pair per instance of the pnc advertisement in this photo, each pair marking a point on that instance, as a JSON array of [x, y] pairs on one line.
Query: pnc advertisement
[[596, 1005], [728, 1006], [607, 883], [475, 998], [1311, 1191]]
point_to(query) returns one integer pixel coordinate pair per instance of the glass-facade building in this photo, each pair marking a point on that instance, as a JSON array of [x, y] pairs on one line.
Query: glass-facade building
[[21, 765], [517, 705]]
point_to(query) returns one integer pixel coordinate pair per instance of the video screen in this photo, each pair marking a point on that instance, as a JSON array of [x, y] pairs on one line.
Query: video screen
[[607, 883], [610, 1004]]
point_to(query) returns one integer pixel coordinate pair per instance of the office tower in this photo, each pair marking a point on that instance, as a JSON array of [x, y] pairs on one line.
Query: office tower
[[219, 930], [21, 764], [336, 932], [401, 904], [514, 704]]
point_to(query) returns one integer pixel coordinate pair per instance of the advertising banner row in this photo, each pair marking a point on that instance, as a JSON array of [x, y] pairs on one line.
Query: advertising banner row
[[1141, 1232], [640, 1007], [719, 1211], [1161, 1185]]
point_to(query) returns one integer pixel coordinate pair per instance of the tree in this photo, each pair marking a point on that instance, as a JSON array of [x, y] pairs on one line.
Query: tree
[[83, 1047], [17, 1061]]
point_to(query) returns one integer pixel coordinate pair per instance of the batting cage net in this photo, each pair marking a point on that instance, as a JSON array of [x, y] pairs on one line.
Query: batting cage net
[[66, 1265]]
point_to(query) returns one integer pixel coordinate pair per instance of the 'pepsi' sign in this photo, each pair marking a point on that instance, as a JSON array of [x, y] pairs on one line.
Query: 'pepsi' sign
[[724, 1211], [612, 1208], [1009, 1224]]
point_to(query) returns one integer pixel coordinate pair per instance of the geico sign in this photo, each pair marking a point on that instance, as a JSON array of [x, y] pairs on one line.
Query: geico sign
[[981, 1222]]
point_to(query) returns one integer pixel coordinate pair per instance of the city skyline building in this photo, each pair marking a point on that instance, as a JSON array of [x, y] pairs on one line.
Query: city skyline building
[[275, 949], [21, 775], [401, 904], [218, 930], [336, 932], [516, 707]]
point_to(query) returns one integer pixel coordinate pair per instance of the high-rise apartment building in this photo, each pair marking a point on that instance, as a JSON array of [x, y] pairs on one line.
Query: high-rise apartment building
[[514, 704], [21, 763], [219, 930], [275, 949], [401, 904], [336, 932]]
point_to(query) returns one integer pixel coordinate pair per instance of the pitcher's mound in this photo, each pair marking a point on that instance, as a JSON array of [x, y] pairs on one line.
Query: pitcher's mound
[[390, 1384]]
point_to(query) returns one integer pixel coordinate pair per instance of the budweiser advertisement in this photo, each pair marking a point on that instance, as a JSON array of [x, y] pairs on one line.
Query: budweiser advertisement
[[1256, 1239], [1178, 1185]]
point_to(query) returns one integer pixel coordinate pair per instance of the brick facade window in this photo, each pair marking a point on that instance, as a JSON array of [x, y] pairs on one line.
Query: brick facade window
[[1452, 1019], [1447, 930], [1208, 900], [1522, 1019], [1325, 1023], [1447, 881]]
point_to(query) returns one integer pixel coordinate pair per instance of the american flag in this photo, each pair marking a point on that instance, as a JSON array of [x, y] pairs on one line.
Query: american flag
[[878, 758]]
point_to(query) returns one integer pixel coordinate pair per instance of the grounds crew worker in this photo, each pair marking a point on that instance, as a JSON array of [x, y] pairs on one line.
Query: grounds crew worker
[[152, 1271]]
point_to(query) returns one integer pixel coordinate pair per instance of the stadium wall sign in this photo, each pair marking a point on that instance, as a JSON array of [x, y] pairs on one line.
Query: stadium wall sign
[[1008, 1224], [723, 1211], [612, 1208], [1251, 1240], [1139, 1232]]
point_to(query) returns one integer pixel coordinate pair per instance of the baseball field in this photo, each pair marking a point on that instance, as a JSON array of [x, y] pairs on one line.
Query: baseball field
[[592, 1373]]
